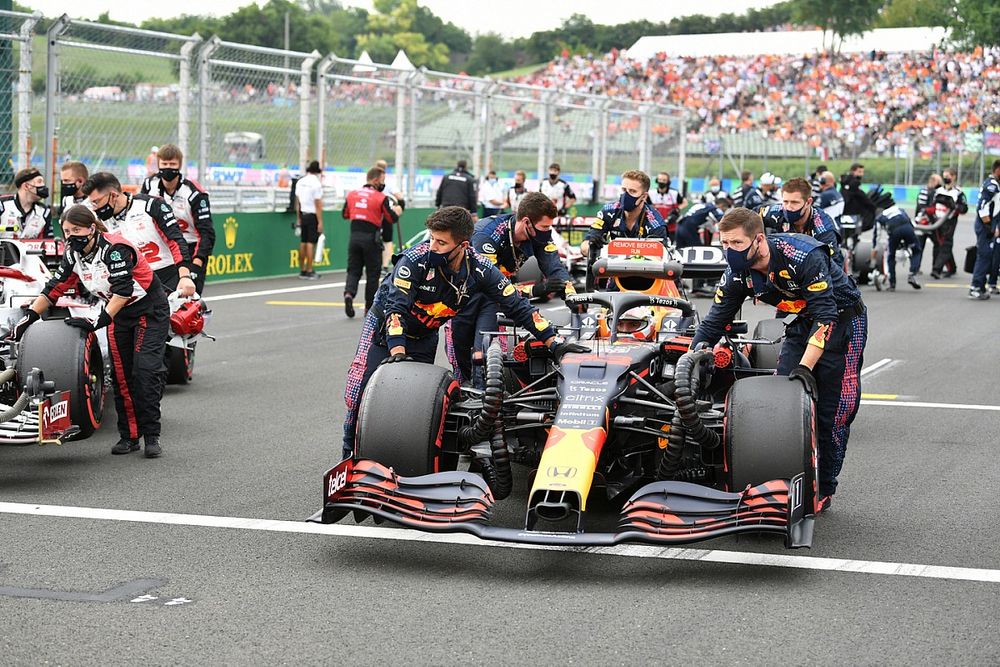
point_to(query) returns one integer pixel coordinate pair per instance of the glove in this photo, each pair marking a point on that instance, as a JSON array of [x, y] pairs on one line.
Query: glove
[[550, 286], [565, 347], [804, 375], [401, 202], [393, 358], [29, 318], [700, 345], [103, 320]]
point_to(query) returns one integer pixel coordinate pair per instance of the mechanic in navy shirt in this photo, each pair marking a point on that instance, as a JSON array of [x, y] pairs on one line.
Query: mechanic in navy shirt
[[630, 216], [987, 236], [507, 241], [431, 283], [797, 214], [897, 224], [698, 217], [829, 200], [824, 345]]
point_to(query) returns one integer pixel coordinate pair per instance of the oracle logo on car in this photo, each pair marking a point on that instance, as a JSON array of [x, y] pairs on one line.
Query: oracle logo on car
[[559, 471]]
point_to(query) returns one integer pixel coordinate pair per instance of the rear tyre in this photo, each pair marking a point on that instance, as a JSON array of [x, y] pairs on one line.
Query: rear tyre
[[862, 264], [766, 356], [180, 365], [769, 431], [72, 359], [401, 417], [529, 272]]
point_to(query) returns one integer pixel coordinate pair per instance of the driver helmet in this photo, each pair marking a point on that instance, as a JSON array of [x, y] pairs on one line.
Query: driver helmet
[[637, 322]]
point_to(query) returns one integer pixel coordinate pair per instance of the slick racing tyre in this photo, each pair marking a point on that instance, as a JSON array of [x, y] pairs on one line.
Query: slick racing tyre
[[861, 265], [401, 417], [180, 365], [72, 359], [529, 272], [769, 431], [766, 356]]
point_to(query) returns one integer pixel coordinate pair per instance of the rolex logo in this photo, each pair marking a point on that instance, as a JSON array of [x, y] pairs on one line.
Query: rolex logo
[[230, 226]]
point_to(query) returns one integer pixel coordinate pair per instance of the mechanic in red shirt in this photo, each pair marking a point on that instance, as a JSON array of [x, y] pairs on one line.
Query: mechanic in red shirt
[[367, 208], [135, 311]]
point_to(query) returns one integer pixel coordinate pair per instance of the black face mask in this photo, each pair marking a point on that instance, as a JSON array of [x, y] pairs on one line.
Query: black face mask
[[947, 181], [168, 173], [553, 177], [380, 187], [78, 243], [519, 186], [42, 191], [69, 189], [105, 212], [663, 185]]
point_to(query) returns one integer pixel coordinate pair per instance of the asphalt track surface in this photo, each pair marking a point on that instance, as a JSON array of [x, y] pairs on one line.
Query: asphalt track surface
[[252, 436]]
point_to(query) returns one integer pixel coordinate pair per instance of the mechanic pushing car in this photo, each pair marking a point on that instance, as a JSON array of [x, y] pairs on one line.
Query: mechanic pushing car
[[135, 312], [897, 225], [431, 283], [824, 345], [630, 216], [191, 208], [507, 240], [149, 224], [798, 214]]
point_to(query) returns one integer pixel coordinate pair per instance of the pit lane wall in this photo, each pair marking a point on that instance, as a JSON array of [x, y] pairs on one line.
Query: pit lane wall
[[264, 245]]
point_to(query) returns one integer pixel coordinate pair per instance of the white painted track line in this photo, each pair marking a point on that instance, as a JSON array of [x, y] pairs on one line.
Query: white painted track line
[[874, 367], [405, 535], [921, 404]]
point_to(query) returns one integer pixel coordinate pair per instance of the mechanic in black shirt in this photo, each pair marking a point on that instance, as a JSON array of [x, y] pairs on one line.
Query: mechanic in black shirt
[[823, 346], [430, 284], [458, 189], [856, 201], [135, 311]]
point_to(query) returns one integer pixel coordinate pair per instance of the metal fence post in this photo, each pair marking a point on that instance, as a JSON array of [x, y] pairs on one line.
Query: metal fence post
[[324, 66], [58, 27], [488, 124], [402, 93], [184, 101], [682, 153], [544, 135], [304, 103], [411, 134], [602, 133], [644, 140], [24, 92], [204, 84]]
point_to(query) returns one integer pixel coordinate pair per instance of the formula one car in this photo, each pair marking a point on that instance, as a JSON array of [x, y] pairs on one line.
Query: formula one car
[[688, 444], [53, 383]]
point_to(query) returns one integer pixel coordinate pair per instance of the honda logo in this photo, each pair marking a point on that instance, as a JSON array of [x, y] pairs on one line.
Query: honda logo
[[558, 471]]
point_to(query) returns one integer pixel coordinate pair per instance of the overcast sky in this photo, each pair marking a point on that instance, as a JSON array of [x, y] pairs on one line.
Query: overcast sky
[[511, 18]]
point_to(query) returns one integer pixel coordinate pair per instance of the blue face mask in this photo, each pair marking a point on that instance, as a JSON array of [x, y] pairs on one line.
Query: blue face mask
[[438, 259], [739, 260], [628, 202], [792, 217]]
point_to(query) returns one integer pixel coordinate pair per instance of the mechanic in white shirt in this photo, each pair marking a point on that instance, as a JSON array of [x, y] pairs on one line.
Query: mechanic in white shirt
[[24, 215], [309, 194], [491, 195], [558, 190]]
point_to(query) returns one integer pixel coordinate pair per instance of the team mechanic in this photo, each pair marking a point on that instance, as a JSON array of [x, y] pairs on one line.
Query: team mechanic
[[148, 223], [135, 311], [432, 282], [824, 345], [797, 214], [629, 216], [24, 215], [191, 208], [901, 233], [367, 208], [507, 241]]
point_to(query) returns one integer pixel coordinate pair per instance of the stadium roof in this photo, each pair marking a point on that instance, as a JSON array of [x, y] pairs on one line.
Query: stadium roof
[[891, 40]]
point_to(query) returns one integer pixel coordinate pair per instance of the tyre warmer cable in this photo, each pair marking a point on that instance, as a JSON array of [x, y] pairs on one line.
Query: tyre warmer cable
[[686, 421], [488, 425]]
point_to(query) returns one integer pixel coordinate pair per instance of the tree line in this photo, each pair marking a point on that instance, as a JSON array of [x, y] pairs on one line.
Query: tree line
[[327, 26]]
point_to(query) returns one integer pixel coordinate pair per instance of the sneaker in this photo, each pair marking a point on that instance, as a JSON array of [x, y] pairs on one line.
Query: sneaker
[[823, 504], [892, 287], [349, 305], [153, 448], [125, 446], [947, 274], [935, 275], [913, 282], [314, 276], [995, 290], [303, 275], [978, 294]]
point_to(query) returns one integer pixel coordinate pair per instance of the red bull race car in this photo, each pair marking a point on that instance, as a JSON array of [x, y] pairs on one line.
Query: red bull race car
[[683, 445]]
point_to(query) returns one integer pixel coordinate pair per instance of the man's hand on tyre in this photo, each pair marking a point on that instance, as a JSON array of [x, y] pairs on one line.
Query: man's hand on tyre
[[805, 375]]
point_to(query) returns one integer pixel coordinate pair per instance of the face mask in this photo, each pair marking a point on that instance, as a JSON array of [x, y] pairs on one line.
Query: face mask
[[793, 216], [380, 187], [168, 173], [739, 260], [42, 191], [68, 189], [439, 259], [492, 180], [715, 189], [105, 212], [78, 243], [553, 177], [519, 186], [629, 202], [663, 184], [947, 181]]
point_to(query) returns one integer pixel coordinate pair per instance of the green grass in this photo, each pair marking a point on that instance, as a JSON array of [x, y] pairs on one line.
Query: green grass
[[518, 71], [153, 70]]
